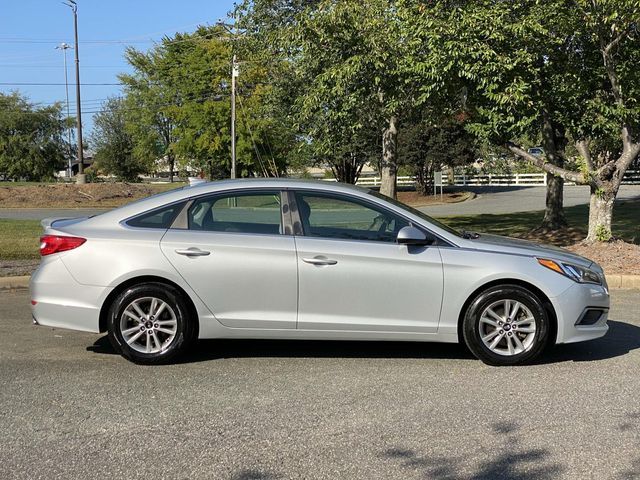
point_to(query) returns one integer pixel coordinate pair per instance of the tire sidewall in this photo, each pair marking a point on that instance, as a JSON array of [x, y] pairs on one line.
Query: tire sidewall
[[483, 300], [168, 295]]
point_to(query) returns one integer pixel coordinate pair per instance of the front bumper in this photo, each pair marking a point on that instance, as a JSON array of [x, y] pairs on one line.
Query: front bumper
[[62, 302], [571, 307]]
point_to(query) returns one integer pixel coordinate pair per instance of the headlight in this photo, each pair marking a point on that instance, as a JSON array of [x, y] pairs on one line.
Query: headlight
[[574, 272]]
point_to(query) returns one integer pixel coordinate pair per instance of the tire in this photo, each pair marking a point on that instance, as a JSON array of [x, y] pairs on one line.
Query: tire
[[499, 340], [165, 332]]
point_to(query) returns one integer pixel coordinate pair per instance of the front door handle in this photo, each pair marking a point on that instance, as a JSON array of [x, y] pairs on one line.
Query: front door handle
[[193, 252], [319, 261]]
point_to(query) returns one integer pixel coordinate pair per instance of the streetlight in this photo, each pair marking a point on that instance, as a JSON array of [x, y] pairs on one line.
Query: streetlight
[[235, 72], [64, 46], [81, 178]]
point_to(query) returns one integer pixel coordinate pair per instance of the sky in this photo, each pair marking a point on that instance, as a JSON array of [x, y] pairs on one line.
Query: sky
[[30, 30]]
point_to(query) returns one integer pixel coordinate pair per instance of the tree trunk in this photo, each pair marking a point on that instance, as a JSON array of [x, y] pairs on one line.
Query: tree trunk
[[554, 218], [389, 165], [172, 162], [554, 141], [348, 169], [600, 214]]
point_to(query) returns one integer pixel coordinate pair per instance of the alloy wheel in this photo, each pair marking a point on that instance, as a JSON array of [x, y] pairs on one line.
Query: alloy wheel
[[507, 327], [148, 325]]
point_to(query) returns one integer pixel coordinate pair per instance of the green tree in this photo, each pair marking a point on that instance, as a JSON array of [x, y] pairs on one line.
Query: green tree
[[181, 92], [350, 55], [426, 147], [564, 69], [113, 143], [345, 93], [153, 132], [32, 145]]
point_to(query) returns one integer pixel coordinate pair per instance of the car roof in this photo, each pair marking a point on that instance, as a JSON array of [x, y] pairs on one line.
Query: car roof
[[204, 188], [108, 220]]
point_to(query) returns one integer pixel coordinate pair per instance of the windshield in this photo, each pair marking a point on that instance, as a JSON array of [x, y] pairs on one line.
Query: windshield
[[417, 213]]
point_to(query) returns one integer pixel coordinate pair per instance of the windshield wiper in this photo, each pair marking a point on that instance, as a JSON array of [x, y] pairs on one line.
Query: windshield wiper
[[470, 235]]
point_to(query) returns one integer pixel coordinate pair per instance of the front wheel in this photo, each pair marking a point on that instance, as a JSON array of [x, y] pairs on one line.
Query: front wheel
[[506, 325], [149, 323]]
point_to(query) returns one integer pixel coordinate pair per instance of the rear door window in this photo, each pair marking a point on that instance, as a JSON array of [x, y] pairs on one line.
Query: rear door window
[[254, 212]]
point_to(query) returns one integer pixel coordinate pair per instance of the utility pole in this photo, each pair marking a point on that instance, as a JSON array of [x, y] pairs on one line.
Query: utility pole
[[64, 46], [235, 71], [81, 178]]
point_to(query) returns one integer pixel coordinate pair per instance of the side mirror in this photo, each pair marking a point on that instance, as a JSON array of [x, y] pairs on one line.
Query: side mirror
[[412, 236]]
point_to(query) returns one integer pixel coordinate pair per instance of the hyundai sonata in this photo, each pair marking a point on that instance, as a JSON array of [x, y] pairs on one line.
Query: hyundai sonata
[[290, 259]]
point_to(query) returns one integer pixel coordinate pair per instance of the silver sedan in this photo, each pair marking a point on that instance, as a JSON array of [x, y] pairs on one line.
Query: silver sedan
[[290, 259]]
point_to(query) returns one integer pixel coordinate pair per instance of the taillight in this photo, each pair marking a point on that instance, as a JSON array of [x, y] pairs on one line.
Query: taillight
[[54, 243]]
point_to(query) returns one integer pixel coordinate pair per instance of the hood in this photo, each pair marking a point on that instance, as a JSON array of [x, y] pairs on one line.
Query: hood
[[497, 243]]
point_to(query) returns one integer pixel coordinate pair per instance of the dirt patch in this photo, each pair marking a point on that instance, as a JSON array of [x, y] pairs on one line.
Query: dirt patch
[[613, 257], [416, 200], [564, 237], [11, 268], [105, 195]]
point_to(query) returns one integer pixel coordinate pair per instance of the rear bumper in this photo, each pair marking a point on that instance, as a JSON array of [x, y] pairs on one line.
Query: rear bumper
[[62, 302], [571, 307]]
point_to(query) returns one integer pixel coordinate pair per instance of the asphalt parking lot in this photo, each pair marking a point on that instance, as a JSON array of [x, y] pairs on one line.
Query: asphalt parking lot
[[71, 408]]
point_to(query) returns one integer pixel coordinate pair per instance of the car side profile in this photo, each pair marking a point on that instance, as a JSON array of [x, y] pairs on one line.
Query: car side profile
[[294, 259]]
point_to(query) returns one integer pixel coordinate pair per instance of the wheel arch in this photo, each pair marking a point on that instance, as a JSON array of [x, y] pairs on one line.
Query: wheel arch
[[104, 309], [548, 306]]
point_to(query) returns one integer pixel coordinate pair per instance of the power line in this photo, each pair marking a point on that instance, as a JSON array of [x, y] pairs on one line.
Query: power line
[[34, 65], [125, 40], [92, 109], [30, 84], [163, 41]]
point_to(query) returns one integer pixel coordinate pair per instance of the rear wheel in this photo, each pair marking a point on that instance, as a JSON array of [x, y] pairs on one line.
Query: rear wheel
[[506, 325], [149, 323]]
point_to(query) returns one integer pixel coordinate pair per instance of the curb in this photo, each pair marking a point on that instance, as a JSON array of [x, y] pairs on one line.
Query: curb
[[615, 282]]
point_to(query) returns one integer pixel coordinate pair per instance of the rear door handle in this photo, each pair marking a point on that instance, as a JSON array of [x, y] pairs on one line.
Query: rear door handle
[[193, 252], [319, 261]]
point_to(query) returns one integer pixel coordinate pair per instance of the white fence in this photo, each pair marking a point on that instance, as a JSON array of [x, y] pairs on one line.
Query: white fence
[[632, 177]]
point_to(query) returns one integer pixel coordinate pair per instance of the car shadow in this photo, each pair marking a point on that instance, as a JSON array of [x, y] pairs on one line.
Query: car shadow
[[212, 349], [620, 340]]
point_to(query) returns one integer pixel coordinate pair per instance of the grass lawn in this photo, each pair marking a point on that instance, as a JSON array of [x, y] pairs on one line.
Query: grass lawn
[[626, 224], [19, 238]]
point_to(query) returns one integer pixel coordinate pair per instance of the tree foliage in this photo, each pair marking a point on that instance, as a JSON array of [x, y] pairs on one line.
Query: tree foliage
[[425, 148], [564, 69], [342, 84], [32, 144], [114, 145], [181, 88], [341, 61]]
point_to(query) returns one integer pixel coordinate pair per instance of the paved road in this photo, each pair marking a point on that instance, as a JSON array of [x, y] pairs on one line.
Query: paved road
[[519, 199], [70, 408]]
